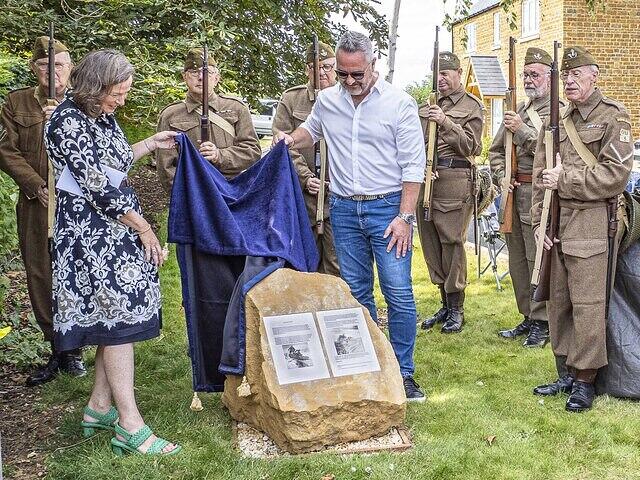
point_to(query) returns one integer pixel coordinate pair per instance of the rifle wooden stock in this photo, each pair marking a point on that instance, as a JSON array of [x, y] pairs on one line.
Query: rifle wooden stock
[[432, 134], [52, 102], [322, 191], [204, 118], [550, 217], [320, 148], [505, 213]]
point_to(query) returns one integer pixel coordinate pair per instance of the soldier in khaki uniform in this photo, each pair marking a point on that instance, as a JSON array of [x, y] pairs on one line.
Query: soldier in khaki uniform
[[293, 109], [234, 145], [459, 118], [23, 158], [595, 159], [525, 124]]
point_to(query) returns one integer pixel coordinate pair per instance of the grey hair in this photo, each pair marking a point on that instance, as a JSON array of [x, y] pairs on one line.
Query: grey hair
[[94, 76], [594, 69], [352, 42]]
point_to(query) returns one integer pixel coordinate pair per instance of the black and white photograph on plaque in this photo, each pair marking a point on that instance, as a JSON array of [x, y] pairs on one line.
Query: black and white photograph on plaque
[[295, 348], [346, 337]]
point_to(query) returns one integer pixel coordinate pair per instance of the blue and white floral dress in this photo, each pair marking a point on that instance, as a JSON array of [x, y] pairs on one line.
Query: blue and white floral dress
[[104, 292]]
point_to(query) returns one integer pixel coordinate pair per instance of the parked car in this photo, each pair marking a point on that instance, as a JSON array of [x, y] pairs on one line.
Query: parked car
[[263, 119]]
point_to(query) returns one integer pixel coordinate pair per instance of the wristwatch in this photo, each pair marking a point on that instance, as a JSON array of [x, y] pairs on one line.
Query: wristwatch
[[408, 217]]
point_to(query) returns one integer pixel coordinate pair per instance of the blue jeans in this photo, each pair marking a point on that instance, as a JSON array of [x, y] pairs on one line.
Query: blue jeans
[[358, 227]]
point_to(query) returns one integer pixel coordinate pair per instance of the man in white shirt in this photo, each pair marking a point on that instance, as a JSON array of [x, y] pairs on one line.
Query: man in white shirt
[[376, 167]]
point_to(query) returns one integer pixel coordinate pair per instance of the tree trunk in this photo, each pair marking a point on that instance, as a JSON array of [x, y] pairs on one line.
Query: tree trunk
[[393, 35]]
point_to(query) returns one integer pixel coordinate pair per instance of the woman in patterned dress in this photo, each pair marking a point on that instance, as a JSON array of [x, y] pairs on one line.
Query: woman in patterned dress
[[106, 256]]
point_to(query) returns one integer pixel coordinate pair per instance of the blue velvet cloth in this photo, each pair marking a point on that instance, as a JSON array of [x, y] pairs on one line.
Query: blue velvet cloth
[[230, 235]]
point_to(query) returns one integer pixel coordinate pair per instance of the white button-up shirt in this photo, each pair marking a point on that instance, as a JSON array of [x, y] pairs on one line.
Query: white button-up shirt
[[373, 147]]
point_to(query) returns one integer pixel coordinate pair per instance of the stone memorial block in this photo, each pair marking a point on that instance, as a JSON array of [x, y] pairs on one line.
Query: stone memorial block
[[318, 370]]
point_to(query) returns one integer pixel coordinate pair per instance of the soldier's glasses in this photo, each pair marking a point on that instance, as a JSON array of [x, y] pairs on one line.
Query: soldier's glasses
[[533, 76], [327, 67], [44, 66], [197, 72], [576, 74]]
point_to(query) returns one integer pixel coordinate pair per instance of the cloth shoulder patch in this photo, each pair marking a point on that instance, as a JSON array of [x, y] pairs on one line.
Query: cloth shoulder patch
[[625, 135]]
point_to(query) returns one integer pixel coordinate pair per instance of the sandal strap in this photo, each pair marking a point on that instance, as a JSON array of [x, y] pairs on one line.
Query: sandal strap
[[134, 440], [158, 445], [108, 418]]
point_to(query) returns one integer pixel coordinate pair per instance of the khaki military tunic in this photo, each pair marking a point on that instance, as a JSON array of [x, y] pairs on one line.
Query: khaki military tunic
[[520, 242], [239, 146], [579, 262], [23, 158], [444, 236], [293, 109]]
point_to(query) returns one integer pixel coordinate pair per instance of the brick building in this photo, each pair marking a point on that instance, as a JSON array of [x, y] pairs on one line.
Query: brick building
[[612, 35]]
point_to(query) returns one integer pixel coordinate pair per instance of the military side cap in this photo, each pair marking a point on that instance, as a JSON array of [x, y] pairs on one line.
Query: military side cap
[[41, 48], [448, 61], [194, 59], [324, 52], [574, 57], [537, 55]]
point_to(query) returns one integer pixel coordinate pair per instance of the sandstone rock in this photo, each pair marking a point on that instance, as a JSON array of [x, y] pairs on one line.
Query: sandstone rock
[[306, 416]]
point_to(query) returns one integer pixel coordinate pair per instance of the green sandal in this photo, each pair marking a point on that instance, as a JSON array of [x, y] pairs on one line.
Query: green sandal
[[105, 421], [134, 440]]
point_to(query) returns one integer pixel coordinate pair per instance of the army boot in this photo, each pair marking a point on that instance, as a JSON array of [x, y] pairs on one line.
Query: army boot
[[563, 384], [521, 329], [538, 334], [441, 315], [455, 317]]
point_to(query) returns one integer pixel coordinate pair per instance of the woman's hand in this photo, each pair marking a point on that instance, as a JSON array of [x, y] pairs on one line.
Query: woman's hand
[[152, 249], [166, 139]]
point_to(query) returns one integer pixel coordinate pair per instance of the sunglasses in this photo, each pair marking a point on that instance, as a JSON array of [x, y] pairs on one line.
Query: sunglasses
[[342, 75]]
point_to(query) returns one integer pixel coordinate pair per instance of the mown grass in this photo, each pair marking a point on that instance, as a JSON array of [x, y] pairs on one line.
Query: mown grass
[[478, 386]]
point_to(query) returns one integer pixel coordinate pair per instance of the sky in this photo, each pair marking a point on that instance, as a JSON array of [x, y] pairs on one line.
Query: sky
[[416, 34]]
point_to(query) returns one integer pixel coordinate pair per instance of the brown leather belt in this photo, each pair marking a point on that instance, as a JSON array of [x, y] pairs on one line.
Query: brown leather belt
[[524, 177], [453, 163]]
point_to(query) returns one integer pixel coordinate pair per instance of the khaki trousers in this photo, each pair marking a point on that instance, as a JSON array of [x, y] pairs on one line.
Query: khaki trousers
[[522, 254], [443, 237]]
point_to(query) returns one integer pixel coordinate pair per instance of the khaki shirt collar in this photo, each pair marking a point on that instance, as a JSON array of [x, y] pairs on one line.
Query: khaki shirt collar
[[456, 95], [540, 102], [587, 107], [193, 104], [41, 96]]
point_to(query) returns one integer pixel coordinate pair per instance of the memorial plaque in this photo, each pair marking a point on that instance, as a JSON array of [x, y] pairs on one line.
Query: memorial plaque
[[347, 341], [295, 348]]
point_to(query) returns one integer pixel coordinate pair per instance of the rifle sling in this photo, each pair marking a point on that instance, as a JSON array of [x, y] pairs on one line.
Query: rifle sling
[[583, 152], [534, 117]]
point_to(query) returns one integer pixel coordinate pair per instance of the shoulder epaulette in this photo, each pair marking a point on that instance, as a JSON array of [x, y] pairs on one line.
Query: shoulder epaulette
[[476, 99], [232, 97], [177, 102]]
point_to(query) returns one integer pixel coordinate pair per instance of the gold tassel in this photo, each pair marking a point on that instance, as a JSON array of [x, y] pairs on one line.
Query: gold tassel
[[196, 404], [244, 390]]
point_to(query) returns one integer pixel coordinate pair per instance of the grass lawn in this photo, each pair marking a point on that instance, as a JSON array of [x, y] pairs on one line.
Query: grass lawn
[[478, 386]]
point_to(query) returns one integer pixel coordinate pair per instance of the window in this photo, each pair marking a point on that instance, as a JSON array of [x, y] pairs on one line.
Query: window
[[471, 37], [496, 115], [530, 17], [496, 30]]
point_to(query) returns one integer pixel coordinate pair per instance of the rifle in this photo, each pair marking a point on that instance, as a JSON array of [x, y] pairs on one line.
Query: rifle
[[432, 134], [612, 215], [204, 118], [550, 217], [320, 148], [475, 192], [51, 101], [505, 213]]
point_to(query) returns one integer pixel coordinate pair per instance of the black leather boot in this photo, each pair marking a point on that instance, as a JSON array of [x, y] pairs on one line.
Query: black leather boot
[[581, 397], [561, 385], [521, 329], [441, 315], [455, 317], [72, 364], [46, 373], [538, 334]]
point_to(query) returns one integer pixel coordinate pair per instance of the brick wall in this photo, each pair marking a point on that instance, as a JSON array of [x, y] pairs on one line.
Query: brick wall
[[550, 29], [613, 38]]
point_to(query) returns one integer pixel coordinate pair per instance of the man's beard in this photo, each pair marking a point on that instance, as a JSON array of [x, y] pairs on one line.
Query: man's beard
[[534, 92]]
